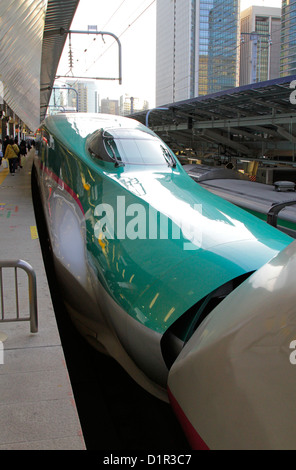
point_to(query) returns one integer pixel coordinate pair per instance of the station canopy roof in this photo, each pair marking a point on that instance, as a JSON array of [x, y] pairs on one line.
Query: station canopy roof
[[30, 49], [252, 121]]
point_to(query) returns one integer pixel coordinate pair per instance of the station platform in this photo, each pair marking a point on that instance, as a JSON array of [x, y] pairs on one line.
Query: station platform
[[37, 406]]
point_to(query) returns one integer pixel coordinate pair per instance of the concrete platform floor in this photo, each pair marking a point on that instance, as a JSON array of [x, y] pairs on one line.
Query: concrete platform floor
[[37, 406]]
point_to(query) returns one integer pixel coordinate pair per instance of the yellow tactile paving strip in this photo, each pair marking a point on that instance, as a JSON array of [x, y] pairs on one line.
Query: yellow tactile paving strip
[[3, 173]]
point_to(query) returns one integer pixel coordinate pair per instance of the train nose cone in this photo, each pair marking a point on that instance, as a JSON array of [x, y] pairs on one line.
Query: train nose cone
[[233, 385]]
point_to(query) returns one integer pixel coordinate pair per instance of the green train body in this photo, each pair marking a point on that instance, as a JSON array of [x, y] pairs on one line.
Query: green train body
[[142, 252]]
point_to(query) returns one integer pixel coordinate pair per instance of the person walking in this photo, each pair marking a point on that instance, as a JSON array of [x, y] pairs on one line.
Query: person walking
[[11, 153]]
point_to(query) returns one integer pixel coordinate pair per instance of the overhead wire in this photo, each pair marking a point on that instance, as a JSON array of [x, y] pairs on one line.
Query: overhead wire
[[121, 34], [94, 39]]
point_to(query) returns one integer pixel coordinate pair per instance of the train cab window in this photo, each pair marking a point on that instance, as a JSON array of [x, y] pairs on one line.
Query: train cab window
[[130, 146], [97, 148]]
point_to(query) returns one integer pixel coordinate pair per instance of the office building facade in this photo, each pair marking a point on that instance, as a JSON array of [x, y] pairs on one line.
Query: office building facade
[[288, 38], [109, 106], [86, 96], [223, 53], [196, 48], [260, 44], [129, 105]]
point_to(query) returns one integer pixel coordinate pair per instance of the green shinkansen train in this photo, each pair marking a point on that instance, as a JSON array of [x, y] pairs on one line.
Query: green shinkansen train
[[192, 295]]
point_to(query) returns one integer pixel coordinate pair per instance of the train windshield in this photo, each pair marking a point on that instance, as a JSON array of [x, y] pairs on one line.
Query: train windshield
[[131, 146]]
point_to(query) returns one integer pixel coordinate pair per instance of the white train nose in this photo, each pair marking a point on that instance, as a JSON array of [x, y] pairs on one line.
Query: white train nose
[[233, 385]]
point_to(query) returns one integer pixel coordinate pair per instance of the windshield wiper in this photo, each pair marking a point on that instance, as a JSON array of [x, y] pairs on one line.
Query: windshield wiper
[[94, 154], [117, 162], [168, 157]]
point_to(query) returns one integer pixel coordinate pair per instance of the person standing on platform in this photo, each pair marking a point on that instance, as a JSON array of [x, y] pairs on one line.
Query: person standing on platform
[[23, 151], [23, 148], [5, 143], [11, 153], [18, 163]]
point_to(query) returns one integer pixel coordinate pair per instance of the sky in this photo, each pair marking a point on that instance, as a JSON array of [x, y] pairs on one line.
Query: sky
[[134, 23]]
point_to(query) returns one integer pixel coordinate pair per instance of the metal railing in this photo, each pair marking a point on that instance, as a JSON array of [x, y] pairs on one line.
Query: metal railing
[[273, 212], [32, 292]]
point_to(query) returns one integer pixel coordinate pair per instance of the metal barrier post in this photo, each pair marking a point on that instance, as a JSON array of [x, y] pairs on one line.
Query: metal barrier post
[[32, 287]]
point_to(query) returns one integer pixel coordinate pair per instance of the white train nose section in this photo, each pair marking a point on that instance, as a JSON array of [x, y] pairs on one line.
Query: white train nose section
[[234, 384]]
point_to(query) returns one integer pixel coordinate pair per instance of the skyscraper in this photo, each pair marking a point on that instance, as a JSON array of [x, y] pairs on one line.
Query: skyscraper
[[260, 44], [81, 88], [288, 38], [88, 99], [223, 53], [196, 48]]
